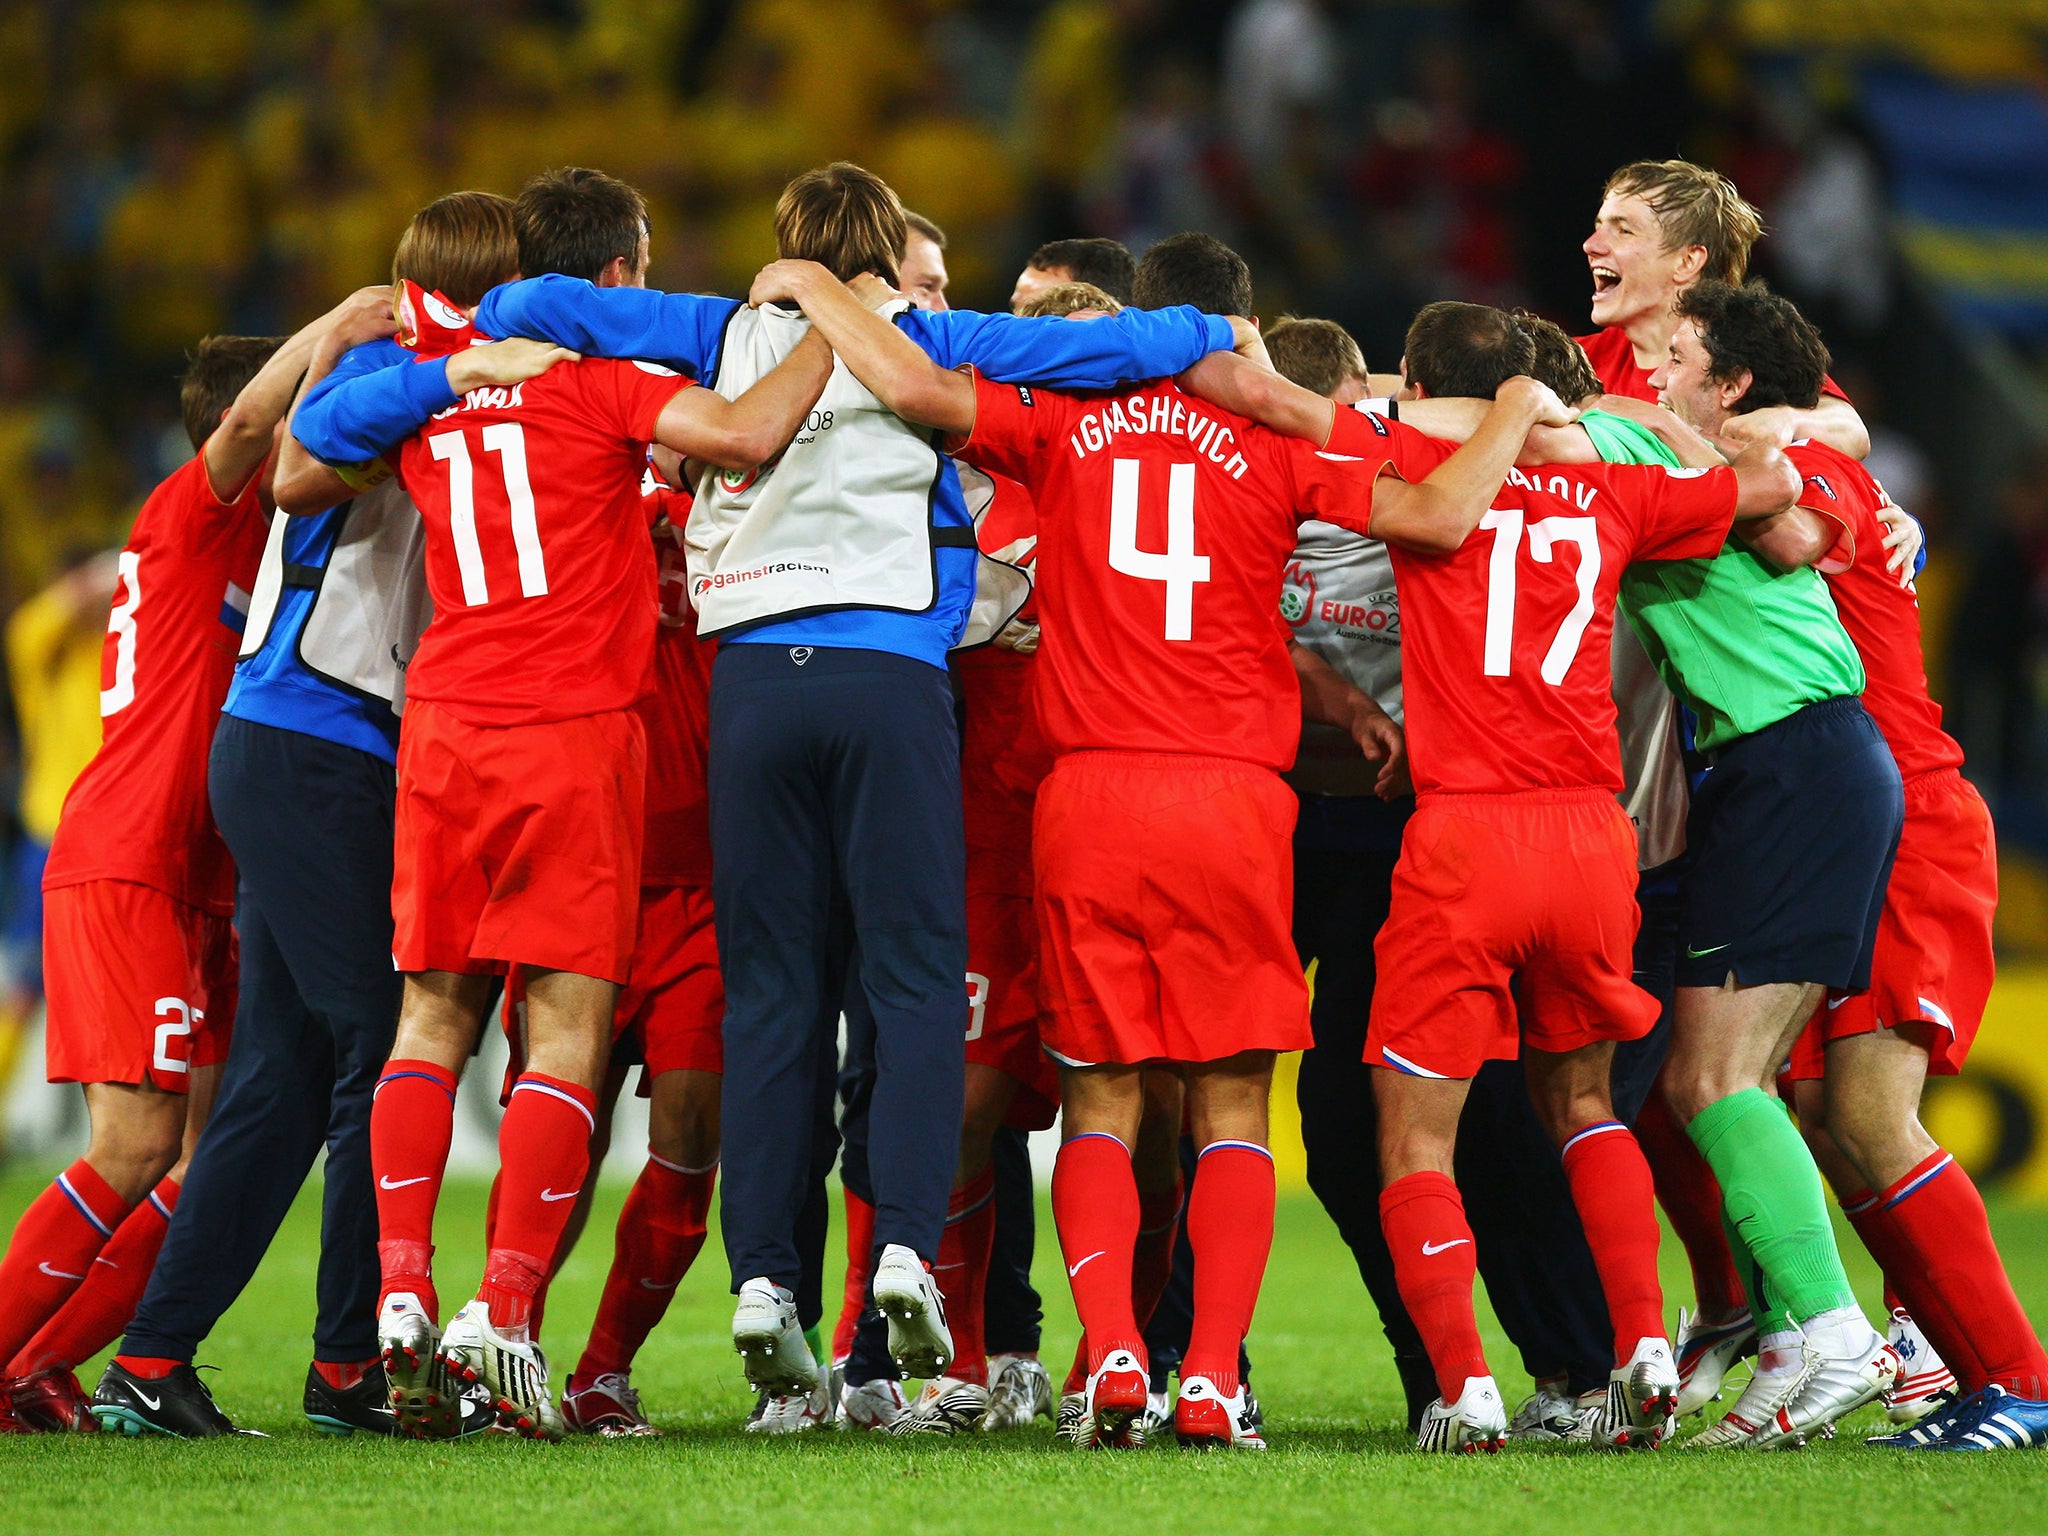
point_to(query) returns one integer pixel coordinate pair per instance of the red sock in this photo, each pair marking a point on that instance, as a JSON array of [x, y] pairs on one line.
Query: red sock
[[148, 1367], [1893, 1302], [1617, 1206], [544, 1151], [860, 1257], [1159, 1216], [412, 1120], [1954, 1283], [661, 1229], [52, 1251], [962, 1272], [1077, 1373], [1230, 1227], [1434, 1266], [343, 1374], [1691, 1197], [100, 1308], [1095, 1208]]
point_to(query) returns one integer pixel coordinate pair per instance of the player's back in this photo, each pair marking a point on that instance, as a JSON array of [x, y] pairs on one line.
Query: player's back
[[676, 712], [139, 811], [1506, 641], [1882, 617], [538, 556], [1164, 526]]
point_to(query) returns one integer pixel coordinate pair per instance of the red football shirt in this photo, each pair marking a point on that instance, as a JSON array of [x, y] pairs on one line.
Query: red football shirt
[[677, 715], [538, 558], [1613, 357], [1506, 643], [139, 810], [1163, 527], [1003, 753], [1882, 617]]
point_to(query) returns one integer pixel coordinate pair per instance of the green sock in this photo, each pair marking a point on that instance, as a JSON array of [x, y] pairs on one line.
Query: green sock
[[817, 1348], [1771, 1193], [1769, 1319]]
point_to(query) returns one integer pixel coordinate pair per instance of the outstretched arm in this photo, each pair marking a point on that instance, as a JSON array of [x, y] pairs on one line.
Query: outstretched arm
[[738, 434], [1435, 515], [901, 374], [1259, 394], [683, 331]]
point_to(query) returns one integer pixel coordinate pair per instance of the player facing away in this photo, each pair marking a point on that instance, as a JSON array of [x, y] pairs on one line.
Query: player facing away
[[521, 786], [1161, 834], [139, 888], [1861, 1065]]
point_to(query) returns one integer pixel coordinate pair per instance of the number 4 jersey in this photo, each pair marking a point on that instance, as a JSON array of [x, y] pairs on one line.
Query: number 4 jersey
[[1164, 527], [1505, 669]]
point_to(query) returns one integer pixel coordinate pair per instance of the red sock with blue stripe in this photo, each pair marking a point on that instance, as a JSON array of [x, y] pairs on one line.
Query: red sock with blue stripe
[[99, 1309], [1095, 1208], [412, 1122], [661, 1229], [1230, 1229], [1617, 1206], [1434, 1267], [52, 1251], [544, 1152]]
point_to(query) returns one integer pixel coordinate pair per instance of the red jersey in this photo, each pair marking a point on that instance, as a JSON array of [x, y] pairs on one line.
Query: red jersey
[[677, 714], [1163, 526], [1882, 617], [538, 558], [139, 810], [1002, 750], [1613, 357], [1506, 674]]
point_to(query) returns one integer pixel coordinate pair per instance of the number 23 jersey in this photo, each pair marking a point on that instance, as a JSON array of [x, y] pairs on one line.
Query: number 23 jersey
[[538, 555], [1506, 642], [1164, 525]]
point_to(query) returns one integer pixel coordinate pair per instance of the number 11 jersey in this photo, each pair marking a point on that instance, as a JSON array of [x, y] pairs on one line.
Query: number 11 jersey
[[1164, 524], [1506, 642]]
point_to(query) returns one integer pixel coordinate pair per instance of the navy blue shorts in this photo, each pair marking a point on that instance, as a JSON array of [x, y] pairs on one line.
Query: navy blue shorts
[[1792, 834]]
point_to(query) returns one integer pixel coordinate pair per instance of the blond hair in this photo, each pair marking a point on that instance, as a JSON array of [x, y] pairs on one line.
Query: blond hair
[[1695, 206], [1319, 355], [1069, 298], [460, 246], [845, 218]]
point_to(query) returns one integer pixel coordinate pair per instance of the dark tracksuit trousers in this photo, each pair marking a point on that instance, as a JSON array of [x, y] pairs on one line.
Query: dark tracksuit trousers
[[310, 825], [835, 785]]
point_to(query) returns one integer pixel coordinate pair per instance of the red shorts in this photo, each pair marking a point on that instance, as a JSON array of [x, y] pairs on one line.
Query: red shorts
[[1933, 961], [1165, 893], [519, 844], [1002, 1004], [671, 1014], [1513, 918], [141, 986]]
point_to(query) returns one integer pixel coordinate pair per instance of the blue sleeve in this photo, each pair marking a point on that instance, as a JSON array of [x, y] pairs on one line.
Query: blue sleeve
[[1920, 560], [377, 395], [1066, 354], [683, 331]]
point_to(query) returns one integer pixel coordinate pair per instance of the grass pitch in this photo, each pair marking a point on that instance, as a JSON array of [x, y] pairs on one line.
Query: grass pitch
[[1338, 1462]]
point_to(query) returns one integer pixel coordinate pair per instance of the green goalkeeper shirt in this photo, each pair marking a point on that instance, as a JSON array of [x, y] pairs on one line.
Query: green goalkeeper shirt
[[1743, 643]]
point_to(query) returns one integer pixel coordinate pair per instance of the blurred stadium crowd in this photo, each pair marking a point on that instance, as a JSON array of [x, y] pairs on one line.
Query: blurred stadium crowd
[[174, 167]]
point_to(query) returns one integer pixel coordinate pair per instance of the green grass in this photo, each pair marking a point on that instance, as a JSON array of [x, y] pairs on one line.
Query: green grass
[[1338, 1462]]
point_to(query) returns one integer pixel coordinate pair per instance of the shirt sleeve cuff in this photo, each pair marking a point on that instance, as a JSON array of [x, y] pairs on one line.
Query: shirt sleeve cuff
[[426, 388], [1221, 337]]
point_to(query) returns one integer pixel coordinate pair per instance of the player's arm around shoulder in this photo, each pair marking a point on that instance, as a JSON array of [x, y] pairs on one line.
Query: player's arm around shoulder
[[702, 424], [1244, 388], [1435, 515]]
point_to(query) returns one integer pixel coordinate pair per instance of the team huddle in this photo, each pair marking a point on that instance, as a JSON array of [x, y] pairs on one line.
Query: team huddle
[[1537, 738]]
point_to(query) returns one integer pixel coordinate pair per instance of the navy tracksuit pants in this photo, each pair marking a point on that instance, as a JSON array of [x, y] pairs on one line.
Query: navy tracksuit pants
[[835, 789], [310, 825]]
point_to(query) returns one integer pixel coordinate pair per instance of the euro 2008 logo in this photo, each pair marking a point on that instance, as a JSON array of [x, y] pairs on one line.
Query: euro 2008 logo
[[1297, 594]]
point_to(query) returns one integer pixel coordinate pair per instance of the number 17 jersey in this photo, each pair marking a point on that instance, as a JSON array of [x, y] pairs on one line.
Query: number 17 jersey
[[1506, 641], [1164, 524]]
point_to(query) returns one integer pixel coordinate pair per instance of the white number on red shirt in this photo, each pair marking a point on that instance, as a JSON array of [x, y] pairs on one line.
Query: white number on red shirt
[[1544, 536], [1179, 567], [507, 439], [121, 625]]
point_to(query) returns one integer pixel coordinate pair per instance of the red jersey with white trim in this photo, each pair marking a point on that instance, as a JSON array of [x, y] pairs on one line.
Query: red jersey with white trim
[[538, 558], [1882, 617], [1163, 526], [1506, 643], [1613, 357], [139, 811], [677, 714]]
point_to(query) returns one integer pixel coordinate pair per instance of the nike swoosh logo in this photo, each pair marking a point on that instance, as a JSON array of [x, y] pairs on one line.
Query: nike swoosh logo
[[656, 1285], [1075, 1269], [58, 1274], [1696, 954], [387, 1182], [551, 1197], [1836, 1002], [154, 1403], [1431, 1250], [108, 1262]]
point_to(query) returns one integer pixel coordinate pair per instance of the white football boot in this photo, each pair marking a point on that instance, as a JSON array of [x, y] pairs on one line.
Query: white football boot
[[606, 1406], [791, 1413], [1925, 1383], [1852, 1371], [1204, 1419], [1766, 1396], [876, 1404], [1477, 1421], [947, 1406], [1018, 1392], [424, 1402], [514, 1370], [1115, 1402], [919, 1341], [1548, 1413], [770, 1340], [1706, 1352], [1642, 1396]]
